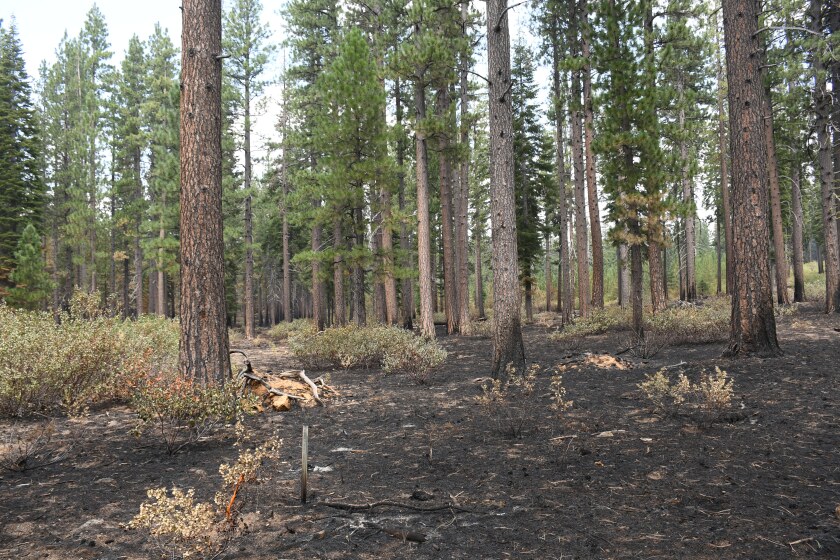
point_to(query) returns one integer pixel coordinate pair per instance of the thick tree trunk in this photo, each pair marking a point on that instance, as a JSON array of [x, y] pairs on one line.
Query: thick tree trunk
[[318, 289], [581, 244], [388, 280], [287, 269], [204, 340], [719, 255], [636, 287], [657, 292], [424, 241], [724, 172], [450, 285], [380, 314], [358, 276], [591, 186], [547, 272], [797, 219], [508, 348], [753, 322]]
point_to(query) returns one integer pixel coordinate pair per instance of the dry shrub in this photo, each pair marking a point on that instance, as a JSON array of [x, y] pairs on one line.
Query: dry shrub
[[645, 345], [711, 394], [705, 322], [481, 329], [511, 404], [29, 446], [599, 322], [181, 527]]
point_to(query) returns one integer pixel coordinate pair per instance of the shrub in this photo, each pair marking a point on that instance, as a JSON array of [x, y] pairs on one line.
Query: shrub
[[365, 347], [180, 411], [510, 401], [481, 329], [416, 357], [85, 357], [284, 330], [29, 446], [599, 322], [180, 527], [694, 324], [646, 345], [712, 394]]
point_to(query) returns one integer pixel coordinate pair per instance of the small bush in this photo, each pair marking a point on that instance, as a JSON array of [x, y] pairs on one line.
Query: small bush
[[180, 527], [510, 401], [180, 411], [599, 322], [482, 329], [284, 330], [646, 345], [712, 394], [29, 446], [352, 347], [703, 323], [415, 357]]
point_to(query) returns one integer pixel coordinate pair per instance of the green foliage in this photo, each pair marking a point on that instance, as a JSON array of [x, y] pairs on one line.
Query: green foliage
[[31, 280], [21, 184], [349, 347], [180, 411], [48, 366], [284, 330]]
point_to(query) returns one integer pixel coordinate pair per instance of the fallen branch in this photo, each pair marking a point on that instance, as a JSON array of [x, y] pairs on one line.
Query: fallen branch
[[402, 534], [392, 503], [305, 379], [280, 393]]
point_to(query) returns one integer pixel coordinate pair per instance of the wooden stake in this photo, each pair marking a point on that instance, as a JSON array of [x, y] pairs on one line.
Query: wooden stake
[[304, 461]]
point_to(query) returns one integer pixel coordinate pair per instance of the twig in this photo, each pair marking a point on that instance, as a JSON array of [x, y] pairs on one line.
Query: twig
[[302, 375]]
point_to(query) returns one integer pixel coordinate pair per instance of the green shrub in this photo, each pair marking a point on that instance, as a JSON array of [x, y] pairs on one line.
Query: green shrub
[[180, 411], [599, 322], [48, 366], [284, 330], [350, 347], [694, 324]]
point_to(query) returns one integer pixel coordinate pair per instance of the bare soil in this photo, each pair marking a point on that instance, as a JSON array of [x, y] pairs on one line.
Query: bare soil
[[608, 479]]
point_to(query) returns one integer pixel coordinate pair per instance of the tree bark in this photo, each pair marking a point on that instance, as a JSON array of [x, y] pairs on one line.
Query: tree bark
[[775, 203], [508, 347], [203, 352], [547, 272], [249, 232], [797, 220], [462, 192], [406, 289], [753, 327], [479, 274], [688, 200], [822, 101], [450, 286], [358, 277], [318, 289], [339, 306], [581, 244], [564, 288], [592, 187], [724, 172], [388, 280], [424, 242]]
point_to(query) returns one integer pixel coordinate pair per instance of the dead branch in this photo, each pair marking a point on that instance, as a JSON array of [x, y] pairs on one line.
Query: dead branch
[[305, 379], [392, 503]]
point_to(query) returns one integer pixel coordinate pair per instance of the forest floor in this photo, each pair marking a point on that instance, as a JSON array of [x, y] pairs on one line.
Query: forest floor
[[607, 479]]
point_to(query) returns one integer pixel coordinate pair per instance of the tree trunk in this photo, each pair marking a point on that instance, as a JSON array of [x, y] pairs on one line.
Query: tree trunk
[[249, 232], [547, 271], [564, 287], [462, 264], [581, 244], [822, 101], [424, 242], [508, 347], [719, 255], [388, 280], [753, 322], [318, 289], [657, 292], [380, 312], [339, 316], [592, 187], [688, 200], [796, 220], [775, 203], [204, 339], [406, 289], [724, 172], [287, 271], [478, 272], [450, 285], [358, 289]]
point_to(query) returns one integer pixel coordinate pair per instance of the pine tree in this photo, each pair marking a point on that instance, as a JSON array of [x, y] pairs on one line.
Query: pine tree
[[245, 42], [204, 338], [31, 281], [22, 191], [508, 347]]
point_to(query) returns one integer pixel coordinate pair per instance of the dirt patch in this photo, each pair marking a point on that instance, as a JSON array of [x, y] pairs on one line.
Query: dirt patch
[[407, 471]]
